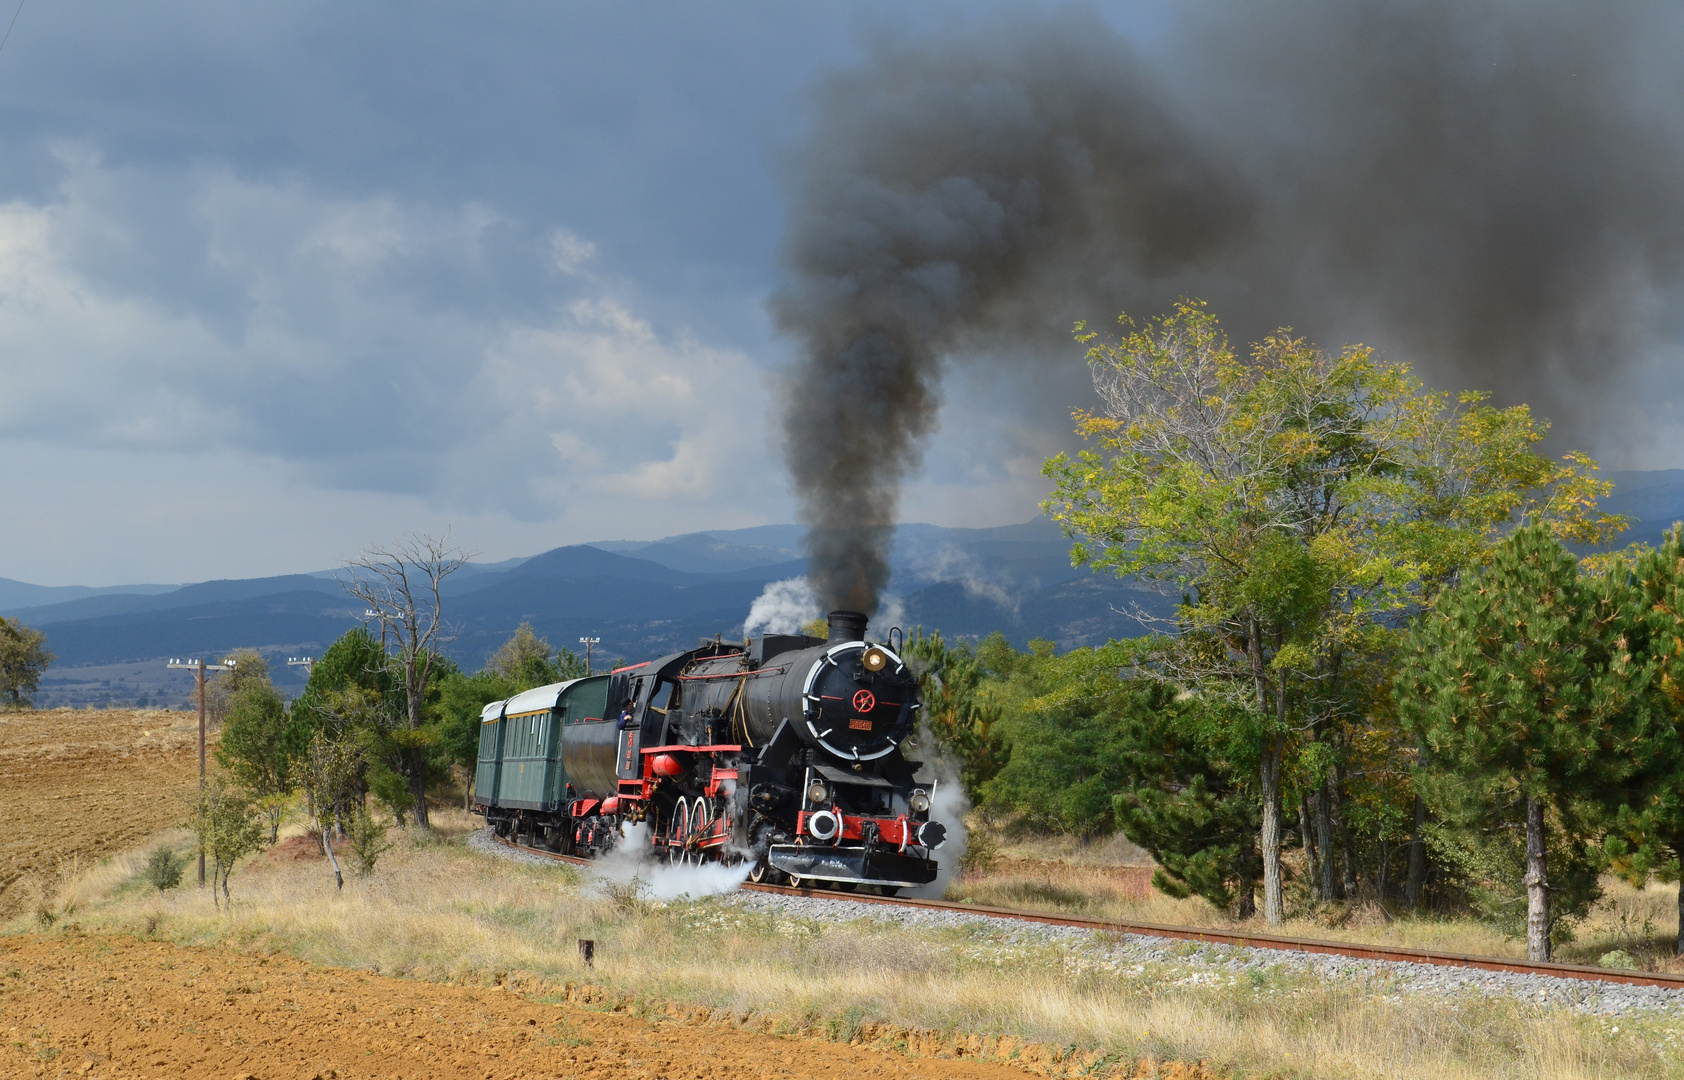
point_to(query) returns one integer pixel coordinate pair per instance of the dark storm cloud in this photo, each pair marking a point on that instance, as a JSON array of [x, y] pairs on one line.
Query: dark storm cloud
[[1495, 191]]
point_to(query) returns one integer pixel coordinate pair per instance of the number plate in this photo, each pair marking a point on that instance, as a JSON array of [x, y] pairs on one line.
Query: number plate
[[860, 724]]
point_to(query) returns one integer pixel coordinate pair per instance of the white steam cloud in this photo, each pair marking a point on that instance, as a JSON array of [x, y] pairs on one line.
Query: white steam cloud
[[783, 607], [634, 861], [949, 806]]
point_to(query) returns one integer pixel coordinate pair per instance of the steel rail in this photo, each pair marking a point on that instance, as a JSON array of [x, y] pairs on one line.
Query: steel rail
[[1355, 950]]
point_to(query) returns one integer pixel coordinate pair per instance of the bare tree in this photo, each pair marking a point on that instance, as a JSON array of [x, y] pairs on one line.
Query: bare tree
[[400, 586]]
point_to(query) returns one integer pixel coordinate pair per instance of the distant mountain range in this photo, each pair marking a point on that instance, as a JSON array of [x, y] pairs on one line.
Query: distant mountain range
[[1654, 501], [640, 598]]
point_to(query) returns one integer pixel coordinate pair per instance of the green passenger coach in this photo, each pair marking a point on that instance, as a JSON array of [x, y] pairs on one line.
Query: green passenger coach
[[526, 742]]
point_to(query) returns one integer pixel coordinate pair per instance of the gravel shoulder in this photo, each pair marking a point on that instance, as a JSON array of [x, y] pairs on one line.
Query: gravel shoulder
[[1201, 962]]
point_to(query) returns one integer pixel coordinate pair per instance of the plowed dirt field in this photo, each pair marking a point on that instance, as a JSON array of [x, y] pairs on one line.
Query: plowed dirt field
[[80, 784], [119, 1007]]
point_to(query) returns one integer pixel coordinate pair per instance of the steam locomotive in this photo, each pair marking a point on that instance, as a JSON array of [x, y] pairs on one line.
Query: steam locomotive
[[783, 751]]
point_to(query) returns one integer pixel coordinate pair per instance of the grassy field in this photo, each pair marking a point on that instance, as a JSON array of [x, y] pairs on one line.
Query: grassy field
[[435, 910]]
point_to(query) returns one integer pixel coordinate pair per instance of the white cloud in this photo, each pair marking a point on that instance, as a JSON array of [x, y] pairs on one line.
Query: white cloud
[[363, 341], [570, 252]]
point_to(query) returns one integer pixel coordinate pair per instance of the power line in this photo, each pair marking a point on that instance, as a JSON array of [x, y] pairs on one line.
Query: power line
[[13, 23]]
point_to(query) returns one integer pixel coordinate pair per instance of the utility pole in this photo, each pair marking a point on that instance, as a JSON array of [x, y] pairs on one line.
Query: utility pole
[[199, 670], [308, 663], [587, 642]]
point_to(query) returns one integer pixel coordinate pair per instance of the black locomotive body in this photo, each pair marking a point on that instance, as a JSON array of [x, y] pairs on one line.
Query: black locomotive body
[[784, 751]]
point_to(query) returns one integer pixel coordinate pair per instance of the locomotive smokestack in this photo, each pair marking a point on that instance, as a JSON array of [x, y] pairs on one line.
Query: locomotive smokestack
[[846, 626]]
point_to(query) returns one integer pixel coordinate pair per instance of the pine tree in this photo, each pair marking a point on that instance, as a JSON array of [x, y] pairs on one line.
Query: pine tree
[[1185, 801], [1648, 832], [1518, 679]]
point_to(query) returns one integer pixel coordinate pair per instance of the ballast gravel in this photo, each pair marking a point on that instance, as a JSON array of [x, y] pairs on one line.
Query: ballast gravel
[[1202, 962], [484, 842]]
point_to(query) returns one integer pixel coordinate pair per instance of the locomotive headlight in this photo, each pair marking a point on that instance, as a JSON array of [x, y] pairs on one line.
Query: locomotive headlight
[[874, 660], [817, 793], [920, 802], [824, 825]]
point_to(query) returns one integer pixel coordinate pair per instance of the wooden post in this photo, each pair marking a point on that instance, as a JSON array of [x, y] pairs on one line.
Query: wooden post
[[200, 670], [199, 675]]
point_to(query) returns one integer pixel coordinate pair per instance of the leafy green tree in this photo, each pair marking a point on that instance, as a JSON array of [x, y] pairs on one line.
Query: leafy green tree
[[1518, 680], [1060, 716], [961, 721], [1097, 745], [1477, 836], [527, 660], [355, 659], [228, 828], [400, 759], [260, 747], [461, 701], [24, 659], [1247, 486], [1300, 503], [249, 670], [331, 776]]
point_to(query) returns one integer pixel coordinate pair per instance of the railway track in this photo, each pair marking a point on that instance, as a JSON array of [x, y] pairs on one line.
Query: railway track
[[1215, 937]]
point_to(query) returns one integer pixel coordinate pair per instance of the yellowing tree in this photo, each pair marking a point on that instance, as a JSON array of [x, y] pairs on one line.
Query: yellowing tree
[[1300, 502]]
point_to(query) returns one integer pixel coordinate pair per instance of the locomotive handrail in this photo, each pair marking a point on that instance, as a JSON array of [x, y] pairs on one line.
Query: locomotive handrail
[[749, 673]]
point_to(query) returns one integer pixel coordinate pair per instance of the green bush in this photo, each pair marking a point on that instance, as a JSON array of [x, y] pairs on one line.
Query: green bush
[[163, 868], [368, 841]]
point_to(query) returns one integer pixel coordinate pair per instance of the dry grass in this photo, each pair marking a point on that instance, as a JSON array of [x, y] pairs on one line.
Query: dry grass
[[1111, 879], [435, 910]]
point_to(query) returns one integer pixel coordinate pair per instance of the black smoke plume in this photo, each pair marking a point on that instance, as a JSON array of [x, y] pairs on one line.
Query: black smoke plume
[[1492, 191]]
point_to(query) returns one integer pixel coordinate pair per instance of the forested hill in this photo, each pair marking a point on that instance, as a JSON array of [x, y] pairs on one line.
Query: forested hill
[[640, 598], [1653, 501]]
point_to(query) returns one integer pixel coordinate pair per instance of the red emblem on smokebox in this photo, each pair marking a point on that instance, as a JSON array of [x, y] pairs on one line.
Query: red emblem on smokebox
[[865, 701]]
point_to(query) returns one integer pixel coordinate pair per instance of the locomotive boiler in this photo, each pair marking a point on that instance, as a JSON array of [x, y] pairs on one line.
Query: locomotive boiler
[[783, 751]]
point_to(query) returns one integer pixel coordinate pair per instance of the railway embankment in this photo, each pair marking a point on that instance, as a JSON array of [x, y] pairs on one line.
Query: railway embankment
[[1156, 956]]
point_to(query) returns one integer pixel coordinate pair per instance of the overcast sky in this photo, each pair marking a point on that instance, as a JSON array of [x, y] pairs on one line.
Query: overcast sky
[[280, 280]]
